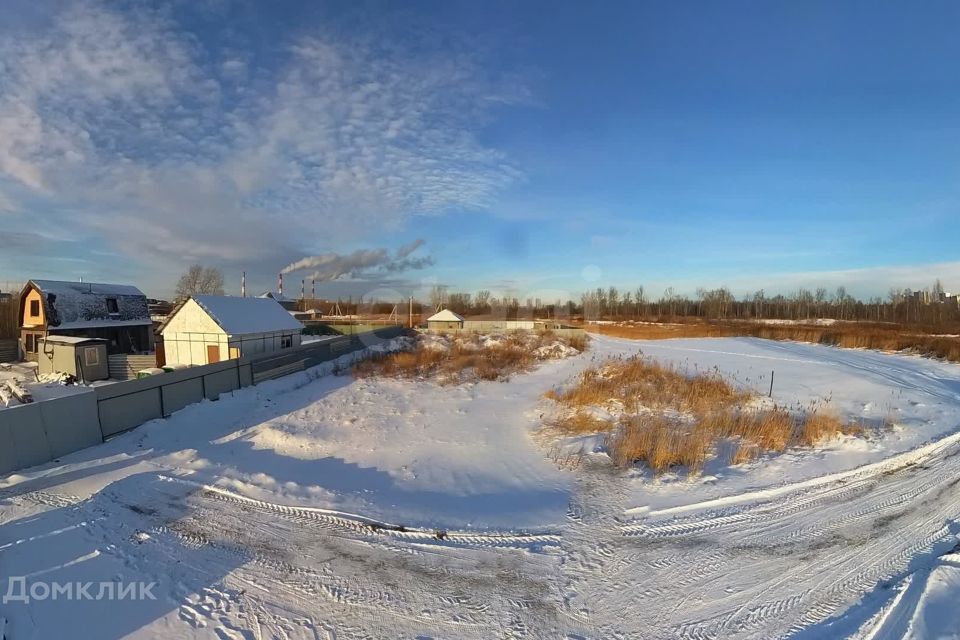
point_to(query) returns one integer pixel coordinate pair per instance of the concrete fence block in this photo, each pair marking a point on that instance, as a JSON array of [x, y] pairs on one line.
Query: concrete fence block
[[28, 435], [178, 395], [122, 413], [246, 375], [8, 450], [71, 423], [221, 382]]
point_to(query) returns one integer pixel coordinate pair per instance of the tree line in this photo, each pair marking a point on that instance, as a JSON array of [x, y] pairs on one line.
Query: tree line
[[929, 307]]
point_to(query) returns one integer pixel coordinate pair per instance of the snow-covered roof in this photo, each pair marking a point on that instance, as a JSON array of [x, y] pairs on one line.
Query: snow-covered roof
[[445, 316], [83, 305], [275, 296], [237, 316], [70, 340]]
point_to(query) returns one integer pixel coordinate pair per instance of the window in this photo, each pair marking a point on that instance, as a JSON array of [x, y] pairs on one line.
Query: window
[[34, 308], [91, 356], [112, 306], [286, 342], [31, 343]]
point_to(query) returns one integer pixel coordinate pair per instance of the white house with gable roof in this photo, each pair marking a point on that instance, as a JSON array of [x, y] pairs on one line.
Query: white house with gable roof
[[445, 319], [206, 329]]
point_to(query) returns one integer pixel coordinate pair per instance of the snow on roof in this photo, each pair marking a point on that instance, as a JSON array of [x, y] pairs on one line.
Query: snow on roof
[[102, 323], [239, 316], [95, 288], [445, 316], [70, 340], [83, 305], [275, 296]]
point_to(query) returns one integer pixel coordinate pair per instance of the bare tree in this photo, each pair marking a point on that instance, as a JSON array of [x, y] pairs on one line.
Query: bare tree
[[438, 296], [199, 280]]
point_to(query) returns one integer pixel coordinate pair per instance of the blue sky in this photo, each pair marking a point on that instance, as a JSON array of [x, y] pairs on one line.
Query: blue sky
[[535, 148]]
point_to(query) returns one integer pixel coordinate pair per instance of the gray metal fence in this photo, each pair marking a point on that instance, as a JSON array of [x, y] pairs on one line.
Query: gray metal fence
[[36, 433]]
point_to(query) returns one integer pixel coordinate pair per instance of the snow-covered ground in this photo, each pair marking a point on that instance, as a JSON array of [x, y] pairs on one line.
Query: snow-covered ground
[[25, 374], [328, 507]]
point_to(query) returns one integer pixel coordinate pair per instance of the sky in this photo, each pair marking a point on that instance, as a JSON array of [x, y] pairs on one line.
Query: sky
[[535, 149]]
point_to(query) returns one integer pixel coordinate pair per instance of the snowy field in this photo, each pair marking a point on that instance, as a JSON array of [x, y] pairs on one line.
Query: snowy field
[[328, 507]]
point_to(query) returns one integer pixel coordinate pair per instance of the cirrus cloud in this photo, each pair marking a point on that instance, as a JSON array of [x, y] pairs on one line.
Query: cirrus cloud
[[125, 125]]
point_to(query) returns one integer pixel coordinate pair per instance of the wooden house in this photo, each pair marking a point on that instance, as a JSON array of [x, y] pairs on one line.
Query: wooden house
[[116, 313]]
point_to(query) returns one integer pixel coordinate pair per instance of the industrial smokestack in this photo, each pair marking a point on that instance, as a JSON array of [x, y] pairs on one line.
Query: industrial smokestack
[[303, 284], [313, 289], [243, 285], [280, 285]]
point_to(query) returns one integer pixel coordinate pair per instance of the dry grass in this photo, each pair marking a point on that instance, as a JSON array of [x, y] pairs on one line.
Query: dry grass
[[466, 357], [639, 383], [851, 335], [671, 420]]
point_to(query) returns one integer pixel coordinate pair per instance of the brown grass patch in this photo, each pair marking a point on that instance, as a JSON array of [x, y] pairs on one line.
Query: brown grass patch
[[818, 426], [465, 357], [639, 383], [670, 419]]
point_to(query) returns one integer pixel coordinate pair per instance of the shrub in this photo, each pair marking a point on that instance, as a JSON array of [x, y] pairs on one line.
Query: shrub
[[467, 356]]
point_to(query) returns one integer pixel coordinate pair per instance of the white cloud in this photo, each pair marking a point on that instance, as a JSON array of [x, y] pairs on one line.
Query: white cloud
[[169, 150]]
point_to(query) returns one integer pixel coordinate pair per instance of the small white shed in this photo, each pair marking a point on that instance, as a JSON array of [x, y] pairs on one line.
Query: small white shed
[[444, 320], [207, 329]]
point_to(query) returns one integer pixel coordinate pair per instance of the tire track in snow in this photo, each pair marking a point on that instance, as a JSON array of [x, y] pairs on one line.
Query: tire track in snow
[[783, 560], [361, 526]]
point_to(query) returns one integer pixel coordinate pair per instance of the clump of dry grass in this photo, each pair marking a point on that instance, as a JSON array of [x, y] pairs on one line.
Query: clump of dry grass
[[466, 357], [670, 419], [818, 426], [637, 382]]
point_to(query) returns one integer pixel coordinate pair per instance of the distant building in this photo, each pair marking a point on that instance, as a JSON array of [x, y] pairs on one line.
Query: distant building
[[207, 329], [116, 313], [287, 303], [5, 297], [159, 309], [444, 320], [309, 314]]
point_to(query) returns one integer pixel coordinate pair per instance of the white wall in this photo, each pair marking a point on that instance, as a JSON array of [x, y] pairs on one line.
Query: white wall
[[187, 334], [191, 348]]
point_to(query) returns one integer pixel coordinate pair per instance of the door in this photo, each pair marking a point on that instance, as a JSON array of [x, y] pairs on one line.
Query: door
[[213, 353]]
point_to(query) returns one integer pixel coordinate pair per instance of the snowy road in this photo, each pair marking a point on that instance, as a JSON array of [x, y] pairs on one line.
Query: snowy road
[[853, 540]]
